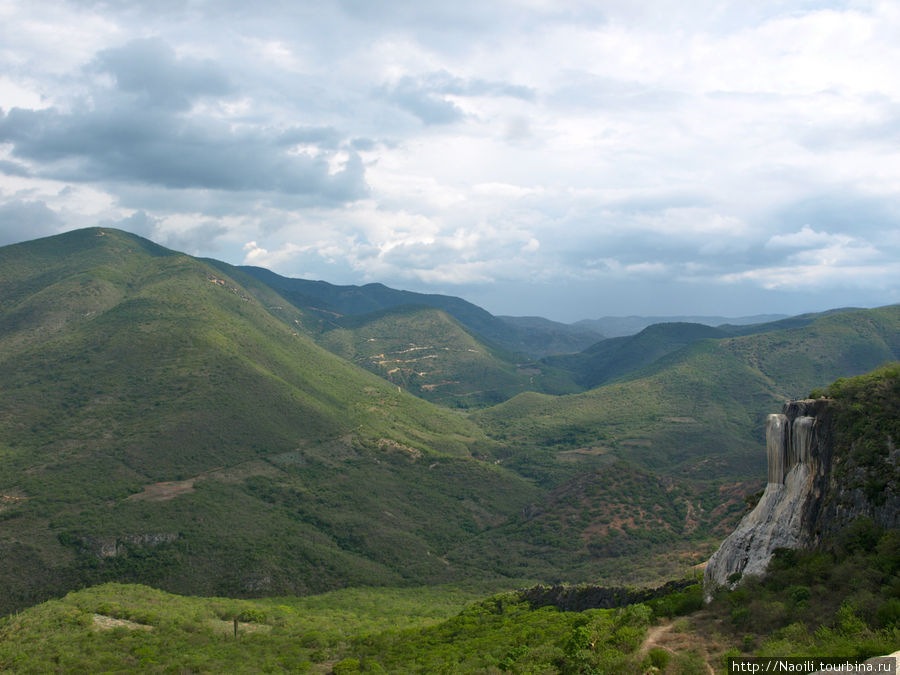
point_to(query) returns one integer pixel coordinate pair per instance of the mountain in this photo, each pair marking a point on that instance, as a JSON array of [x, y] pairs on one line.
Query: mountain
[[429, 353], [621, 326], [539, 336], [162, 422], [616, 357], [703, 407], [178, 422], [823, 607], [535, 337]]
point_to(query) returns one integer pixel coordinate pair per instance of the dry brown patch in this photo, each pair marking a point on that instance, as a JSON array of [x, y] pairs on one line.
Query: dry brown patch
[[160, 492], [587, 452], [393, 446], [237, 473], [103, 622]]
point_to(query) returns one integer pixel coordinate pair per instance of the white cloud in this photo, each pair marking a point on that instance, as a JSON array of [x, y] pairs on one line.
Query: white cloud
[[807, 237], [440, 145]]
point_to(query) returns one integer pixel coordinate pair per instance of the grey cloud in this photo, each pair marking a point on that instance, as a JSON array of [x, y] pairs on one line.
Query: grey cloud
[[14, 168], [150, 70], [428, 106], [587, 91], [424, 96], [151, 146], [444, 83], [363, 144], [659, 201], [325, 137], [199, 238], [21, 220], [142, 131], [839, 212]]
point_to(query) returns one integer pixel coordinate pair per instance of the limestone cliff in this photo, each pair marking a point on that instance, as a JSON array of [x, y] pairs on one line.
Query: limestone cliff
[[816, 485]]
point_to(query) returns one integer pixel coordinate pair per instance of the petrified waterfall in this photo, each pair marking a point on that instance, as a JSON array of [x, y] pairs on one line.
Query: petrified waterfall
[[778, 519]]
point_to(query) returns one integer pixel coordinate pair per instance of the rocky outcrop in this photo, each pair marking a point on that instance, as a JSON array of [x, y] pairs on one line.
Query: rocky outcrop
[[581, 598], [822, 476], [112, 547], [798, 449]]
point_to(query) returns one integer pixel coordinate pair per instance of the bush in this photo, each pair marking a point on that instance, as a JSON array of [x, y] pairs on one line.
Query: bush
[[659, 658], [346, 666], [888, 615]]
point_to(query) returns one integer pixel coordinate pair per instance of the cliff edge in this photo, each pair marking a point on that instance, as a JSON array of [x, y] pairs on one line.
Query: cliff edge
[[831, 461]]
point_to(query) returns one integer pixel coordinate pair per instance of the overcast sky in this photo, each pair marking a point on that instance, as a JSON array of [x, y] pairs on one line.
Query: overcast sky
[[544, 157]]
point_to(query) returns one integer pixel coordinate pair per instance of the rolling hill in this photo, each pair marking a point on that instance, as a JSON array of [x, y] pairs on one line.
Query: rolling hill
[[431, 354], [617, 357], [532, 336], [700, 409], [160, 423], [178, 422]]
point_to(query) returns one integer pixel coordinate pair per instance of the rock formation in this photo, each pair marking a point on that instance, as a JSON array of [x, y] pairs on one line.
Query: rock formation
[[798, 451], [817, 484]]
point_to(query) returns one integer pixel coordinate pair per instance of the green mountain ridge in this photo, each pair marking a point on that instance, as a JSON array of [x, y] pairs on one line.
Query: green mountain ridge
[[702, 407], [535, 338], [173, 421], [616, 357], [429, 353], [160, 424]]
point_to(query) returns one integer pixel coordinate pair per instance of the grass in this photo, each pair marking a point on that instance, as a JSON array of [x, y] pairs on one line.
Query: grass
[[192, 634]]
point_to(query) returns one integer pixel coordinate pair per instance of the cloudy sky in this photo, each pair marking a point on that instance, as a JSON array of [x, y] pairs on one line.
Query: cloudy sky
[[562, 158]]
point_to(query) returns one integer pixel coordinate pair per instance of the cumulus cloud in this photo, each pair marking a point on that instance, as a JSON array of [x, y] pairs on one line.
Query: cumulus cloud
[[149, 70], [148, 147], [650, 155], [139, 130]]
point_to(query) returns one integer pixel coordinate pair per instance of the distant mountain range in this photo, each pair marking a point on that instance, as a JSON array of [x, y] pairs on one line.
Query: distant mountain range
[[620, 326]]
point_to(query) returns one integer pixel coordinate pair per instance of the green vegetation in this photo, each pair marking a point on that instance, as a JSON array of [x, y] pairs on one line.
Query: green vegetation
[[534, 337], [867, 423], [432, 355], [702, 407], [118, 627], [175, 422], [617, 357], [843, 602], [440, 629], [160, 424]]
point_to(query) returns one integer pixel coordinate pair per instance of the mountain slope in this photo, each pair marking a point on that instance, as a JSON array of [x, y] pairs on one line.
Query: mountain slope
[[703, 406], [535, 338], [160, 424], [616, 357], [429, 353]]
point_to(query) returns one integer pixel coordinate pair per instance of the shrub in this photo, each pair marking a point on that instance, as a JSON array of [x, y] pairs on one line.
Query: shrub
[[888, 615], [346, 666], [659, 658]]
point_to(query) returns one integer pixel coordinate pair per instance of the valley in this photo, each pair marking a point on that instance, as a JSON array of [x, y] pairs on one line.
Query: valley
[[209, 430]]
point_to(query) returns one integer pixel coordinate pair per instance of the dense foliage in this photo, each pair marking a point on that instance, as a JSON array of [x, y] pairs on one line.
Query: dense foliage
[[843, 602], [423, 630]]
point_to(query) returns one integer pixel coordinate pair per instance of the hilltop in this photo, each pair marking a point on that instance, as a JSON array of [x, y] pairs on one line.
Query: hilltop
[[161, 424]]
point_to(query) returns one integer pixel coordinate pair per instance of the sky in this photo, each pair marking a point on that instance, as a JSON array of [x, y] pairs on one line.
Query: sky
[[558, 158]]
